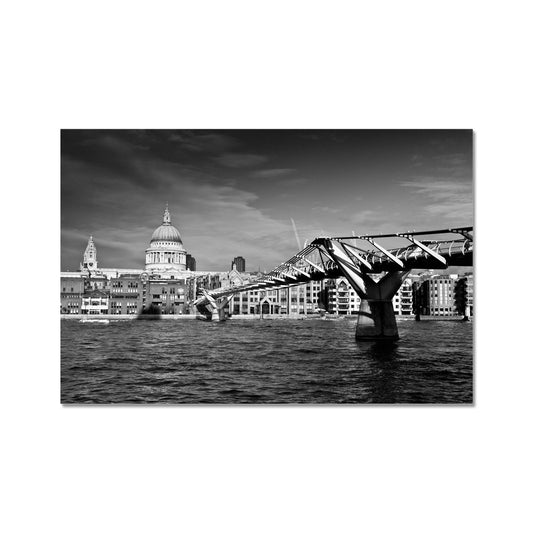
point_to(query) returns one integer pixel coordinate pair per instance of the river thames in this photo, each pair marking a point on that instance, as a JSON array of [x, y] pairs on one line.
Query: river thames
[[264, 361]]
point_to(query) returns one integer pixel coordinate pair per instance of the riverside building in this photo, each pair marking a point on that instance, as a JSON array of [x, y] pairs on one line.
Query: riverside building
[[72, 290], [436, 296], [402, 301], [464, 294]]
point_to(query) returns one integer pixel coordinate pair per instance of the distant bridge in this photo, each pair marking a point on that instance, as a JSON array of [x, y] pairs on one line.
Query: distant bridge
[[356, 257]]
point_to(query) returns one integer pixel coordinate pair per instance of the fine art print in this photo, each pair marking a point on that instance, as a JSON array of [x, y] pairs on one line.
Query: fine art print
[[267, 266]]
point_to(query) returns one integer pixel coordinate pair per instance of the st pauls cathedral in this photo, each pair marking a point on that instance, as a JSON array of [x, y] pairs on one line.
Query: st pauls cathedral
[[165, 258], [169, 281]]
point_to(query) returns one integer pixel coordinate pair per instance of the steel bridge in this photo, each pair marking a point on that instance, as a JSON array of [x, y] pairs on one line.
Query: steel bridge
[[359, 258]]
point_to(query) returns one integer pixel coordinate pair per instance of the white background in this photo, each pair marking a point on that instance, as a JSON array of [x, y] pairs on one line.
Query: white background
[[265, 64]]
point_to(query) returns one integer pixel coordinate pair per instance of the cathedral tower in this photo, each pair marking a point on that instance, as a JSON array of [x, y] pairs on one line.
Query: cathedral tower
[[89, 257]]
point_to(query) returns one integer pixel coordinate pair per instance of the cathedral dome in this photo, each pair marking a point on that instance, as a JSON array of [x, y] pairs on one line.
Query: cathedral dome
[[166, 232]]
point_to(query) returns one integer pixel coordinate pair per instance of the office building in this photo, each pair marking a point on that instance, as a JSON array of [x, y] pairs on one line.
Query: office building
[[238, 264]]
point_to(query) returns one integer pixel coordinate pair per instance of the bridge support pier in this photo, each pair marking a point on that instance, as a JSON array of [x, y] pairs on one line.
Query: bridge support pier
[[376, 321], [213, 310], [376, 313]]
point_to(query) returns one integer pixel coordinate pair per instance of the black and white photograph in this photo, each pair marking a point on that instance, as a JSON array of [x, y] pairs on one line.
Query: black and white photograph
[[267, 266]]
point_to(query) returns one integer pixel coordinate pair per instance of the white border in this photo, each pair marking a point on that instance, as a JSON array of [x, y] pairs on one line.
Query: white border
[[276, 64]]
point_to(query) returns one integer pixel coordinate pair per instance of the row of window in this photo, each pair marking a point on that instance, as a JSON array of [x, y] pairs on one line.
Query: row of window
[[95, 302], [172, 290]]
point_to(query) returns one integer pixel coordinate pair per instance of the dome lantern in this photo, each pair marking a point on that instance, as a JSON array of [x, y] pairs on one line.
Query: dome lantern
[[166, 216], [166, 232]]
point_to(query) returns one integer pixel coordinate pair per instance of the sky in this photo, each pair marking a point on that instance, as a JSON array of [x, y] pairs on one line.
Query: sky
[[234, 192]]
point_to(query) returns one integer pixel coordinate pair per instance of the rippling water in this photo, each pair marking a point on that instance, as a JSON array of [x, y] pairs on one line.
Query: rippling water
[[263, 361]]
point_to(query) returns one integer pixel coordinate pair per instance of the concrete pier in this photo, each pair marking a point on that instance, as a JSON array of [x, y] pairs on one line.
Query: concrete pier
[[376, 321]]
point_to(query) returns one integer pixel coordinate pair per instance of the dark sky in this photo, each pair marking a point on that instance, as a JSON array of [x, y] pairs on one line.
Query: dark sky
[[234, 192]]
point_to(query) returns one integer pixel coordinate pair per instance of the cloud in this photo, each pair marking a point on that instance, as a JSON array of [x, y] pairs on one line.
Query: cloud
[[234, 160], [417, 160], [294, 181], [272, 172], [327, 209], [203, 142], [445, 198], [453, 164]]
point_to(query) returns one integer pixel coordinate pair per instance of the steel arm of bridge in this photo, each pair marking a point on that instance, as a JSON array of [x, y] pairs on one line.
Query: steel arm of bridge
[[319, 268], [352, 251], [376, 313], [286, 274], [384, 251], [425, 248], [306, 274], [363, 284]]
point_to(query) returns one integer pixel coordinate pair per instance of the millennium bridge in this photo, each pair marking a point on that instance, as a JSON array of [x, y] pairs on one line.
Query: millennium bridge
[[360, 259]]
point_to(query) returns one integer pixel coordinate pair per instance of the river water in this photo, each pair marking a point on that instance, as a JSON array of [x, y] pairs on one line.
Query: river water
[[264, 361]]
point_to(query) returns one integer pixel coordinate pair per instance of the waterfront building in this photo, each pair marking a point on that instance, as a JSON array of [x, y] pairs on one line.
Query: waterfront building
[[170, 296], [96, 282], [239, 264], [72, 289], [240, 304], [293, 300], [341, 297], [316, 298], [464, 294], [125, 295], [95, 302], [402, 301], [436, 296]]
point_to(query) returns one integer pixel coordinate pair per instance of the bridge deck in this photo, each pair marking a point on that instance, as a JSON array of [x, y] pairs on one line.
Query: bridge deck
[[315, 262]]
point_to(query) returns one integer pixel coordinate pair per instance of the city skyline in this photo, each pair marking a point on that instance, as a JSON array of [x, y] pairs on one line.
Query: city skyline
[[235, 192]]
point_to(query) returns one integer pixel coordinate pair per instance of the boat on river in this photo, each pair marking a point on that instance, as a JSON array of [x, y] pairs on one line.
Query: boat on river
[[95, 320]]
